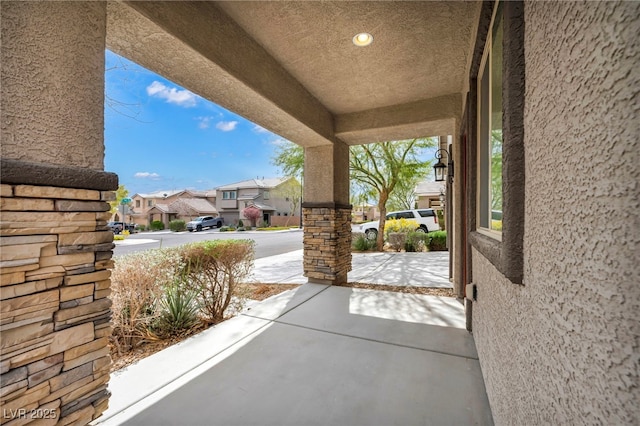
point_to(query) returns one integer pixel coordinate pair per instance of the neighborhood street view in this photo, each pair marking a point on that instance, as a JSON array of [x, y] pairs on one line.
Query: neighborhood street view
[[267, 243]]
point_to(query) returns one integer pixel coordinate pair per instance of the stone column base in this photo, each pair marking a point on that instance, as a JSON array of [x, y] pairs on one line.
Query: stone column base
[[327, 242], [55, 266]]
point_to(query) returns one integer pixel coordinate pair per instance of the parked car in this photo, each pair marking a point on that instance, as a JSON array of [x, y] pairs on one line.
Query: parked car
[[426, 218], [117, 227], [199, 223]]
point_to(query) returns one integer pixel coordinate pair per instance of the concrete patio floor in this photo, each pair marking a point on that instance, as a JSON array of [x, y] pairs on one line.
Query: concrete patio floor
[[315, 355], [410, 269]]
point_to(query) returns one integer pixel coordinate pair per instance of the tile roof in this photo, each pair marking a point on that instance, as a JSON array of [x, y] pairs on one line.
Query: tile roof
[[161, 194], [198, 205], [254, 183], [430, 188]]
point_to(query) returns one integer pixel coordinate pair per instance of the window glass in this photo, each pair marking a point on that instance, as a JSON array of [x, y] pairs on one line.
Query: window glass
[[265, 195], [496, 120], [426, 213], [229, 195], [490, 130]]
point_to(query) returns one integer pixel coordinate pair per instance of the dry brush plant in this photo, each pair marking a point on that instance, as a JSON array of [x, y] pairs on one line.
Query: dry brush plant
[[137, 286], [213, 269]]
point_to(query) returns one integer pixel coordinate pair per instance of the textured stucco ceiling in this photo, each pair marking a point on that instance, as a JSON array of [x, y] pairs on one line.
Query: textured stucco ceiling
[[420, 48], [292, 67]]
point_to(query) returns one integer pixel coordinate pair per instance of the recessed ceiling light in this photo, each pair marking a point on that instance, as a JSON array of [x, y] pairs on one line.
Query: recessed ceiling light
[[362, 39]]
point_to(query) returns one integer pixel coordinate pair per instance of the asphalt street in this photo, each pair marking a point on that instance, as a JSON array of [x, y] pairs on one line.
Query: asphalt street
[[268, 243]]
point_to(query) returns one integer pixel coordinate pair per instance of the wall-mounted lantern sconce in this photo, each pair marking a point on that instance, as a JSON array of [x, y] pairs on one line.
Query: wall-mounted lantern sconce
[[442, 198], [440, 168]]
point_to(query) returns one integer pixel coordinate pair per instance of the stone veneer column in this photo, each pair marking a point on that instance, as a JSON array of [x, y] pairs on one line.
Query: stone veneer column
[[55, 262], [327, 243], [327, 214], [55, 248]]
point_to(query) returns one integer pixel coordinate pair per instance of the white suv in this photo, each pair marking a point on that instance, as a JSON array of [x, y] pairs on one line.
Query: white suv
[[426, 218]]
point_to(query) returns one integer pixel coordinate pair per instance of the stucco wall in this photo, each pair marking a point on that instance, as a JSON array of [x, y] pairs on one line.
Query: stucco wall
[[53, 82], [564, 348]]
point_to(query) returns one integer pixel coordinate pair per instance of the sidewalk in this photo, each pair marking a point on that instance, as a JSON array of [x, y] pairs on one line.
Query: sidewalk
[[411, 269], [316, 355]]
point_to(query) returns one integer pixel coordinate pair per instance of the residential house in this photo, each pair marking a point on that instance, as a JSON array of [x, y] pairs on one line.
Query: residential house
[[428, 194], [265, 194], [365, 212], [540, 100], [166, 206]]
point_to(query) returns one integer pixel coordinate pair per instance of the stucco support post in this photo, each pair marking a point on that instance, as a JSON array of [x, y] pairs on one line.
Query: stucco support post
[[457, 216], [327, 214], [56, 249]]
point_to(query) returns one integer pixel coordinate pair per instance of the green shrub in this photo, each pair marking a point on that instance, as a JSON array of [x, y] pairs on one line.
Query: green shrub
[[179, 309], [177, 225], [224, 229], [264, 224], [157, 225], [240, 224], [213, 269], [142, 228], [118, 237], [362, 243], [437, 241], [241, 229], [416, 242]]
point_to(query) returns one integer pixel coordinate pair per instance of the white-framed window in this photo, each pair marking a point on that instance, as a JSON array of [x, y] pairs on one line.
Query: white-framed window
[[489, 212], [229, 195], [265, 195], [149, 203], [137, 203]]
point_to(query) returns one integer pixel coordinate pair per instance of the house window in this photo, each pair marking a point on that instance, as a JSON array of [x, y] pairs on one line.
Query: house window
[[229, 195], [137, 203], [265, 195], [490, 131], [497, 129], [149, 203]]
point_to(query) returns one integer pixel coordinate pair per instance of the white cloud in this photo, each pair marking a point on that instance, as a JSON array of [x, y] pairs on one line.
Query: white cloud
[[172, 95], [260, 129], [204, 122], [227, 126], [147, 175]]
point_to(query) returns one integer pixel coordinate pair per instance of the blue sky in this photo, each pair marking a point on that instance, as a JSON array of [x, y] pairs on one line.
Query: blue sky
[[159, 136]]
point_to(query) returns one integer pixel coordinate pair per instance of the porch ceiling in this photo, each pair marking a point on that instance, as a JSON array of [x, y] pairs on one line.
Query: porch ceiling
[[291, 67]]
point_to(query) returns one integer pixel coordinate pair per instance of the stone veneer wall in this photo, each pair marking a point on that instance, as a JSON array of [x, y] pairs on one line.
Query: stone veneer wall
[[55, 312], [327, 243]]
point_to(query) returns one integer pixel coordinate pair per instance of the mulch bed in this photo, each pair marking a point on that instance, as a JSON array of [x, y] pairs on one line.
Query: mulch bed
[[252, 291], [445, 292]]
